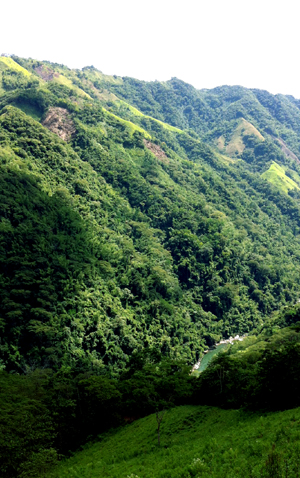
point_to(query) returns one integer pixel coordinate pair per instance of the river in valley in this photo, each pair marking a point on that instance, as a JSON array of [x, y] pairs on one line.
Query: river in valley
[[208, 356]]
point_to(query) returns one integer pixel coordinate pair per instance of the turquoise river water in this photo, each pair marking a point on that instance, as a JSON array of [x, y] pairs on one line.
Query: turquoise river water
[[210, 354]]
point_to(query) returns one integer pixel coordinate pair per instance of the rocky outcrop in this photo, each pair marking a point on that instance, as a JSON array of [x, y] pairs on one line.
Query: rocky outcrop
[[230, 340]]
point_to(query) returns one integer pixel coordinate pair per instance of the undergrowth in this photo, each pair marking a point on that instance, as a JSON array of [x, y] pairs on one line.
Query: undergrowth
[[196, 441]]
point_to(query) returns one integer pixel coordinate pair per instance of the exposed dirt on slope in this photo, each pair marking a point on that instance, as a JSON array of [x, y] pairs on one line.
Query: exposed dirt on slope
[[157, 151], [46, 73], [58, 121], [287, 151]]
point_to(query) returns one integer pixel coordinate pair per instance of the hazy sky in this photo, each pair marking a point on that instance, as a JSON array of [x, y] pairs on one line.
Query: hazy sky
[[205, 43]]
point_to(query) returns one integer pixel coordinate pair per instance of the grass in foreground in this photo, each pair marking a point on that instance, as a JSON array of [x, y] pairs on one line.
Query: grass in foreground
[[196, 441]]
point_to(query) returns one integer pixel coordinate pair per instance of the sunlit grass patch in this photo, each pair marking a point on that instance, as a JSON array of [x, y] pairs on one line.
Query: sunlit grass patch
[[236, 143], [63, 80], [276, 175], [139, 114], [12, 65], [131, 126], [225, 159]]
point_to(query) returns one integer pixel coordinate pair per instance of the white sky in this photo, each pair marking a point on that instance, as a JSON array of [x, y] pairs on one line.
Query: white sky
[[206, 43]]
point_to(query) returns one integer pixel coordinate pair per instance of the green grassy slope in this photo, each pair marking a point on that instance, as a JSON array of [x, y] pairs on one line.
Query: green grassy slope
[[10, 64], [276, 175], [66, 408], [195, 442]]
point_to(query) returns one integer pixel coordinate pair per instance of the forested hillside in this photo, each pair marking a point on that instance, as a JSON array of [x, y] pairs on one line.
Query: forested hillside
[[135, 217], [252, 124], [120, 231]]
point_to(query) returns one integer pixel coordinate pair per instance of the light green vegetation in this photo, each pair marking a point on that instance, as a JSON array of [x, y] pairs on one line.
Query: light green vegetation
[[136, 112], [131, 126], [12, 65], [195, 442], [95, 74], [3, 67], [63, 80], [276, 175], [7, 64], [236, 144], [13, 76]]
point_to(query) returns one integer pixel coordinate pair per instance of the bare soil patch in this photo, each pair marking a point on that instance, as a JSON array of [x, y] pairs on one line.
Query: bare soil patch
[[46, 73], [287, 151], [58, 121], [157, 151]]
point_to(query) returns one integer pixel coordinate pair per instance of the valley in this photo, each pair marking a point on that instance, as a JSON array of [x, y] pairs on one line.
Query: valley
[[142, 224]]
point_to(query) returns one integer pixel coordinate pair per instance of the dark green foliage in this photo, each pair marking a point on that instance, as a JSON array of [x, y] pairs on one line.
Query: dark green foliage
[[147, 180], [85, 239], [27, 430], [100, 404], [126, 251], [46, 413], [172, 251], [43, 245], [12, 80], [32, 97], [264, 375], [153, 384]]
